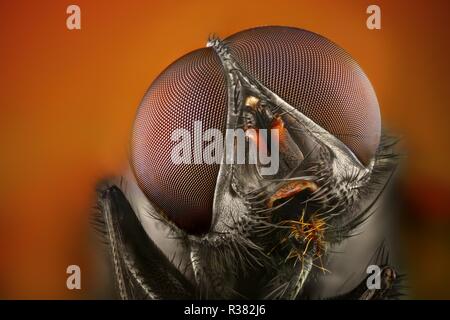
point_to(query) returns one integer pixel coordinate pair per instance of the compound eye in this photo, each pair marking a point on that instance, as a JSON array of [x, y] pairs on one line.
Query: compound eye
[[191, 91], [317, 77]]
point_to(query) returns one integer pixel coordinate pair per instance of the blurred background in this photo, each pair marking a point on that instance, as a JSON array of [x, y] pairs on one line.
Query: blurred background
[[68, 99]]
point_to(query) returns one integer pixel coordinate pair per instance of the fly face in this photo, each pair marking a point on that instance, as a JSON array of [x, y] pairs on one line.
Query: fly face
[[310, 126], [254, 222]]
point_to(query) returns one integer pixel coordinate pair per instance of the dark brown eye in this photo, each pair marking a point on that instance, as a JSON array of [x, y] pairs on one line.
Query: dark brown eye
[[308, 71], [317, 77], [192, 89]]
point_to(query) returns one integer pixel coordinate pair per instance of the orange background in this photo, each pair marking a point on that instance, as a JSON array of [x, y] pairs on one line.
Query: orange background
[[68, 99]]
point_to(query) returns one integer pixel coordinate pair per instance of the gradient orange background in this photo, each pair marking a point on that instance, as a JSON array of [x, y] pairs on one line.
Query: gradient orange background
[[68, 99]]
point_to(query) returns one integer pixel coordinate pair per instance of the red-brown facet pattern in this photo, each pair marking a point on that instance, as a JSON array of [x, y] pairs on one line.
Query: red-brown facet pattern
[[191, 89], [317, 77]]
